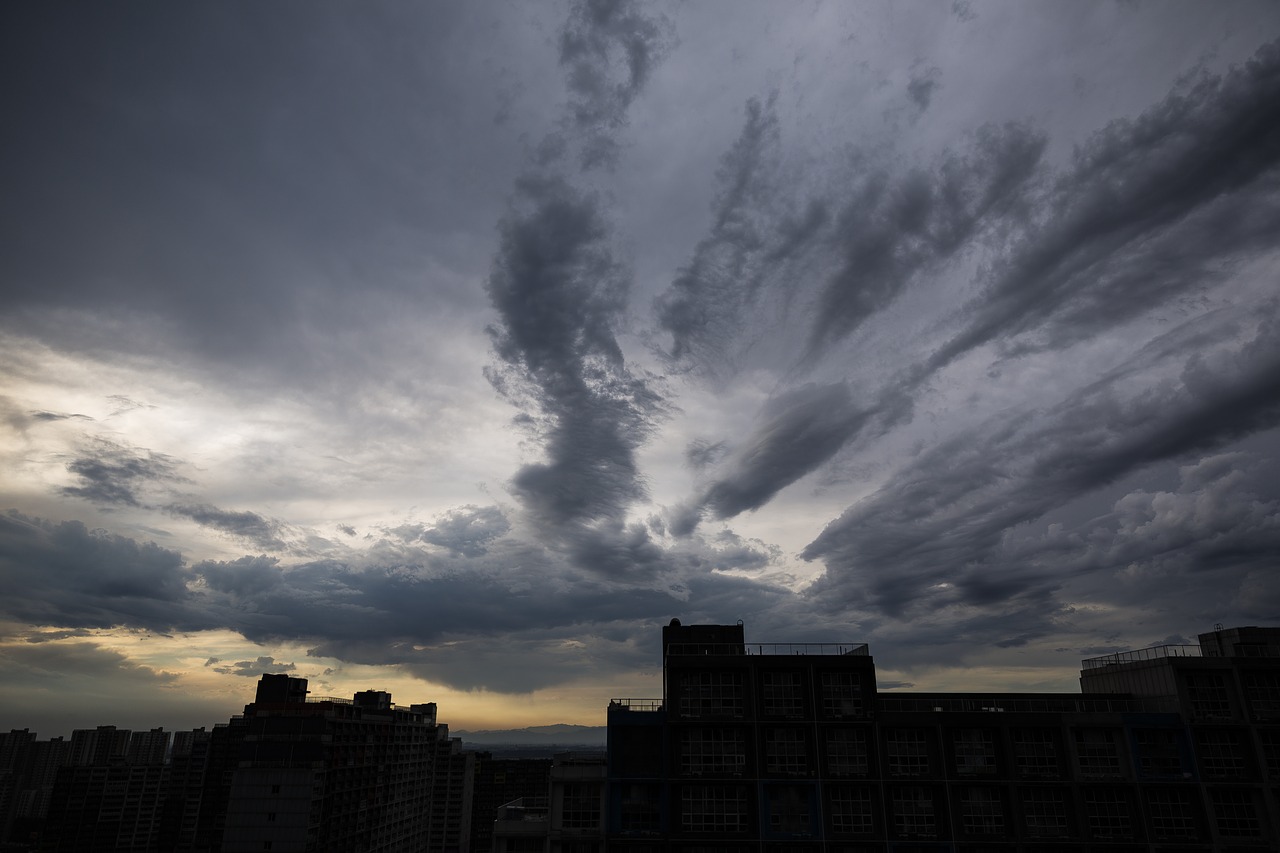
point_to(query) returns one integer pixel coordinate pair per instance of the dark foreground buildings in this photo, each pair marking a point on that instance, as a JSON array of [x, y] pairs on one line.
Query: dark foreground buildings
[[293, 773], [785, 748], [791, 749]]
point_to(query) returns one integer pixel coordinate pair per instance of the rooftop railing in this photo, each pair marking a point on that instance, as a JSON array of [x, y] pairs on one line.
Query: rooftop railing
[[689, 649], [1151, 653], [524, 809], [637, 704], [1241, 650], [970, 703]]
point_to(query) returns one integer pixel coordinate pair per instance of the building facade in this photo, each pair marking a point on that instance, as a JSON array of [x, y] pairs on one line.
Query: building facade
[[791, 748]]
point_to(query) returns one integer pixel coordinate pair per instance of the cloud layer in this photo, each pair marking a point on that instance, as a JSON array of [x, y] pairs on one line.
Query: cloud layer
[[468, 348]]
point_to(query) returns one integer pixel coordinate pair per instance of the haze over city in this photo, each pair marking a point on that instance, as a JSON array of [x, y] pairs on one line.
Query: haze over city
[[452, 349]]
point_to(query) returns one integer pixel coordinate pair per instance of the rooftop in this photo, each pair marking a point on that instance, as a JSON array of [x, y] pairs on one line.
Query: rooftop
[[689, 649]]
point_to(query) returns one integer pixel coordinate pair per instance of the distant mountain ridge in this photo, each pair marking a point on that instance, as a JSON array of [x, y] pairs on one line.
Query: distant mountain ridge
[[560, 734]]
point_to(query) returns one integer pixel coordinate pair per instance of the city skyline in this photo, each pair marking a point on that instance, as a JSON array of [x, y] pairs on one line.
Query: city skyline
[[449, 351]]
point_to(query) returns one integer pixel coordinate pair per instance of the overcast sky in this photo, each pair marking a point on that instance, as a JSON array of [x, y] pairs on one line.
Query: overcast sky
[[453, 348]]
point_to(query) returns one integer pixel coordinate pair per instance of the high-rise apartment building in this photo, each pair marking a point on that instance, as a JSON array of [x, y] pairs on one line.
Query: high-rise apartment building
[[299, 773], [98, 746], [792, 748]]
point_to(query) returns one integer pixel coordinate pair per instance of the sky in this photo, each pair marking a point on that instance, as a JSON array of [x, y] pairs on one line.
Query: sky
[[453, 349]]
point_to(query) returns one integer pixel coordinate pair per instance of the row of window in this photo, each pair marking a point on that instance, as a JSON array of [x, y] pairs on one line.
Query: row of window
[[1106, 814], [724, 694], [839, 695], [1209, 695], [1157, 754]]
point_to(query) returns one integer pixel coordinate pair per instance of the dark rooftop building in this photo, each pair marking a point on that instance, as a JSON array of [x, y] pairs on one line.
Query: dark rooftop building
[[789, 747]]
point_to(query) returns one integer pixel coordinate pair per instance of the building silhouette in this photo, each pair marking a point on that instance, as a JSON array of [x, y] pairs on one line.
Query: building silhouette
[[499, 781], [565, 816], [790, 747], [292, 773], [300, 773]]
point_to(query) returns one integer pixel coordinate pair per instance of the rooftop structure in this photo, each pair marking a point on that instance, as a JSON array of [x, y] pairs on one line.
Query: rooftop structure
[[772, 747]]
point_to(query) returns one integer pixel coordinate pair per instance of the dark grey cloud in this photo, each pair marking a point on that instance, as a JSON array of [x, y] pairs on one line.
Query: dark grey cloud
[[390, 606], [608, 49], [938, 533], [800, 430], [963, 10], [111, 473], [1211, 535], [560, 292], [262, 532], [58, 416], [53, 636], [235, 209], [890, 229], [468, 530], [1151, 208], [242, 579], [865, 239], [384, 613], [254, 668], [701, 453], [923, 84], [702, 308], [64, 574]]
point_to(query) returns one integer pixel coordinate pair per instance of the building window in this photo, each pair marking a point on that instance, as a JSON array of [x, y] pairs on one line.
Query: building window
[[641, 810], [913, 814], [713, 808], [846, 752], [783, 694], [1221, 754], [1262, 691], [790, 809], [1171, 814], [1045, 812], [1035, 753], [706, 752], [841, 695], [785, 752], [1108, 813], [581, 806], [982, 812], [1098, 754], [975, 752], [711, 694], [1271, 751], [908, 752], [1236, 814], [1208, 695], [851, 809], [1160, 754]]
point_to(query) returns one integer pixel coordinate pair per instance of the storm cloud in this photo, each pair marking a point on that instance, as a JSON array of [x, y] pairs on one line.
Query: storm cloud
[[464, 349]]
